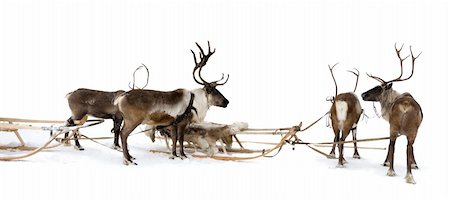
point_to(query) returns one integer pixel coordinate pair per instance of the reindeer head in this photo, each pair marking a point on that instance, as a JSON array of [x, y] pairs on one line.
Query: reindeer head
[[215, 98], [376, 93]]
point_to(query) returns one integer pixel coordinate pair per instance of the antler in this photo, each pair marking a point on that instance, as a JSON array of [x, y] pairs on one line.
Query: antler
[[413, 60], [215, 83], [332, 75], [199, 66], [357, 77], [401, 66], [134, 77]]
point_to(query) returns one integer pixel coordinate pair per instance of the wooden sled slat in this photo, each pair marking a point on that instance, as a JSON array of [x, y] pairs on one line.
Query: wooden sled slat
[[31, 120]]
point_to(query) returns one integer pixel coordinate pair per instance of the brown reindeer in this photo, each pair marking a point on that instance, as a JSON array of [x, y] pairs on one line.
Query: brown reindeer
[[401, 111], [206, 134], [164, 108], [344, 113], [95, 103]]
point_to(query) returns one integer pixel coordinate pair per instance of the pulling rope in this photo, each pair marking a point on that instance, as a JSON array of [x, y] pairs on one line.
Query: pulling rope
[[93, 140], [343, 142], [285, 139], [62, 130], [291, 132]]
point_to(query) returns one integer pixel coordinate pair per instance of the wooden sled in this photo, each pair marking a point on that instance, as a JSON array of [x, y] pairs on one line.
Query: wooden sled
[[56, 128]]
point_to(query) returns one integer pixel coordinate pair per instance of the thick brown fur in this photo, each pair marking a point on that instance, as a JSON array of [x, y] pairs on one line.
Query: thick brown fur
[[342, 128], [404, 115], [95, 103], [150, 107]]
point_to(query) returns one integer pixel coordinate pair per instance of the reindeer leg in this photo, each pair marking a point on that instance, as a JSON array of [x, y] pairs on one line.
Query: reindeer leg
[[117, 122], [336, 139], [355, 154], [390, 156], [414, 163], [409, 151], [166, 138], [77, 143], [70, 122], [341, 160], [128, 127], [173, 135], [180, 131], [224, 149]]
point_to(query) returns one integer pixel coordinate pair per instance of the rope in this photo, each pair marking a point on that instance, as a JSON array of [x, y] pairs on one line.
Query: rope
[[343, 142], [291, 132], [53, 137], [36, 150], [93, 140]]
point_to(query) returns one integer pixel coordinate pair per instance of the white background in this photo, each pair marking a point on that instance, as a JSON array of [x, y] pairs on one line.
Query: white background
[[276, 53]]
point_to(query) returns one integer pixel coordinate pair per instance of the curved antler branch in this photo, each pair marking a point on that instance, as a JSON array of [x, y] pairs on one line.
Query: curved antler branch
[[332, 75], [377, 78], [199, 65], [400, 58], [413, 59], [195, 69], [215, 83], [357, 77], [134, 77]]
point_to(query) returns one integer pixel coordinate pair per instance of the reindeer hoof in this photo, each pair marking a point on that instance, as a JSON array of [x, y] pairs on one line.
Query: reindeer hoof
[[356, 156], [386, 164], [409, 178], [414, 166], [391, 173], [79, 148], [331, 156], [128, 162], [340, 166], [116, 147], [172, 157]]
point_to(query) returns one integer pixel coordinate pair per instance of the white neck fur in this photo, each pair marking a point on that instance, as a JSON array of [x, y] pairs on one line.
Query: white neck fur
[[201, 104], [387, 98]]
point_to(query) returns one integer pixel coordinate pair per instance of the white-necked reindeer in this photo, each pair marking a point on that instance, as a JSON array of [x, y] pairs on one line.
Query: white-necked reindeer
[[163, 108], [345, 113], [401, 111]]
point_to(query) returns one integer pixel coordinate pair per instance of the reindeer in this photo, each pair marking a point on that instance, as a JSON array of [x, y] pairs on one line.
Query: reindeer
[[206, 134], [402, 112], [164, 108], [344, 113], [83, 102]]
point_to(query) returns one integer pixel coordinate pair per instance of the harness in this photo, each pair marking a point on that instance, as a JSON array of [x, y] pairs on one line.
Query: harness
[[186, 114]]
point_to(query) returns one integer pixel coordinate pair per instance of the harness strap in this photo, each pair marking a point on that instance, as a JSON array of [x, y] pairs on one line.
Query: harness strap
[[183, 116], [187, 112]]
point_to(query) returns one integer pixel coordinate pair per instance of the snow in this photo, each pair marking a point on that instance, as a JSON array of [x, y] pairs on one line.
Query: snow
[[276, 53]]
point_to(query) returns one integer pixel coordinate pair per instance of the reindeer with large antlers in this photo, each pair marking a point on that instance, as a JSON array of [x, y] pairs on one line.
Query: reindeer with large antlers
[[401, 111], [344, 113], [174, 108]]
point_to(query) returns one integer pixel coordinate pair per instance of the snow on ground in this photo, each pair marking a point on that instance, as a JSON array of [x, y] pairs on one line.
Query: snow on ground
[[98, 172], [276, 53]]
